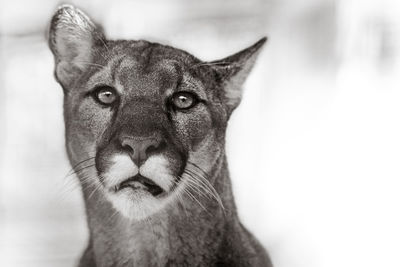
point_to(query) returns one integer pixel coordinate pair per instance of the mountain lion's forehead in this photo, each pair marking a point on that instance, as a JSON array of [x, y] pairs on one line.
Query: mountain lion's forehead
[[149, 51], [145, 75], [137, 75], [141, 68]]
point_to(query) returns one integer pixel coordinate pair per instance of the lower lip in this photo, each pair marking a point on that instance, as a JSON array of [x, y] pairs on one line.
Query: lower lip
[[139, 187], [135, 186]]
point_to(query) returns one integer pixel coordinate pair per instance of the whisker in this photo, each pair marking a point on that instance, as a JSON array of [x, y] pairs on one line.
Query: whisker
[[91, 64], [105, 46], [198, 168], [112, 216], [67, 188], [210, 193], [72, 184], [213, 64], [193, 184], [201, 180], [81, 169], [149, 223], [194, 198], [79, 163], [205, 182], [179, 196], [96, 188], [180, 199]]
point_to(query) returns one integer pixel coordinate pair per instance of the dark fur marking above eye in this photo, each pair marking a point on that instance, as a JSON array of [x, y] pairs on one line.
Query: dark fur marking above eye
[[179, 73]]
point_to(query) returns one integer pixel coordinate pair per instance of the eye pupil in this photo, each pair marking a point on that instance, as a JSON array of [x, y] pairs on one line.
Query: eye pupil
[[107, 94]]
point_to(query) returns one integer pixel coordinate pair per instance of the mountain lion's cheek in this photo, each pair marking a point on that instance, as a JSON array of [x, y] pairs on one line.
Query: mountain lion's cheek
[[193, 128], [93, 119], [84, 128]]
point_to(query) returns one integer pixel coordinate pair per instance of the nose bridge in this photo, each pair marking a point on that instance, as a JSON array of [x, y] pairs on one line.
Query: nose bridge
[[139, 129], [140, 119]]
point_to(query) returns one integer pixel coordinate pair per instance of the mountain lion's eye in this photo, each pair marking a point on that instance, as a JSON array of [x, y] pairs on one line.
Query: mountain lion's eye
[[184, 100], [105, 95]]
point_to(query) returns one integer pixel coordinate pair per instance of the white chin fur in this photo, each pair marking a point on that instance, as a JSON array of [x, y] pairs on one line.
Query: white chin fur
[[137, 204]]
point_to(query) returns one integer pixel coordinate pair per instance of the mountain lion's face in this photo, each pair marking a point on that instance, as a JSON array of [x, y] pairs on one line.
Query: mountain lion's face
[[144, 122], [148, 119]]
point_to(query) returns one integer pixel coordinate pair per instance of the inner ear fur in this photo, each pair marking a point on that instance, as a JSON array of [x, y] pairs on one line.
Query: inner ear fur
[[233, 70], [72, 36]]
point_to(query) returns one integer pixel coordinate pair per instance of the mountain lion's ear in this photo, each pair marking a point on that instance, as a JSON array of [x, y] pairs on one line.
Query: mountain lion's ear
[[233, 71], [72, 36]]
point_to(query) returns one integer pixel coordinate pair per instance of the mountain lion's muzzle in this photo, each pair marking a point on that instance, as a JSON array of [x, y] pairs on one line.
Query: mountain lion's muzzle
[[137, 160]]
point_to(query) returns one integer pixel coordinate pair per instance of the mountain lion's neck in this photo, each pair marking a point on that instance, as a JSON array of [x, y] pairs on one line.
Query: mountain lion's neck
[[190, 229]]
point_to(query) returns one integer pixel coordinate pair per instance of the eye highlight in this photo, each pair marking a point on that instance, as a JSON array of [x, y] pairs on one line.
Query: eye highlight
[[105, 95], [184, 100]]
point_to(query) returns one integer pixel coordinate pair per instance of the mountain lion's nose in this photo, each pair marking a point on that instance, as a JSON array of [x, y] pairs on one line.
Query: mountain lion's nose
[[140, 148]]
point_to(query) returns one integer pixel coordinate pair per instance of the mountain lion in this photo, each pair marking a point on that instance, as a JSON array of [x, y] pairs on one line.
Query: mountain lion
[[145, 133]]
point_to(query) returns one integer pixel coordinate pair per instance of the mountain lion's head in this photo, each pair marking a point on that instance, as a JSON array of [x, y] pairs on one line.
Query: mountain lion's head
[[144, 121]]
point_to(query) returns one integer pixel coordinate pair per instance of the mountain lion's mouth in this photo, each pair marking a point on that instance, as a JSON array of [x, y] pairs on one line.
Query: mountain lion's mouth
[[139, 182]]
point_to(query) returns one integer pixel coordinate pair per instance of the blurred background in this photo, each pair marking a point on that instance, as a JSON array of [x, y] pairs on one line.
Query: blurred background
[[314, 149]]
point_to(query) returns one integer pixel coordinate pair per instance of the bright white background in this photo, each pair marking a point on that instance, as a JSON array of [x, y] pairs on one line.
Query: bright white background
[[314, 148]]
